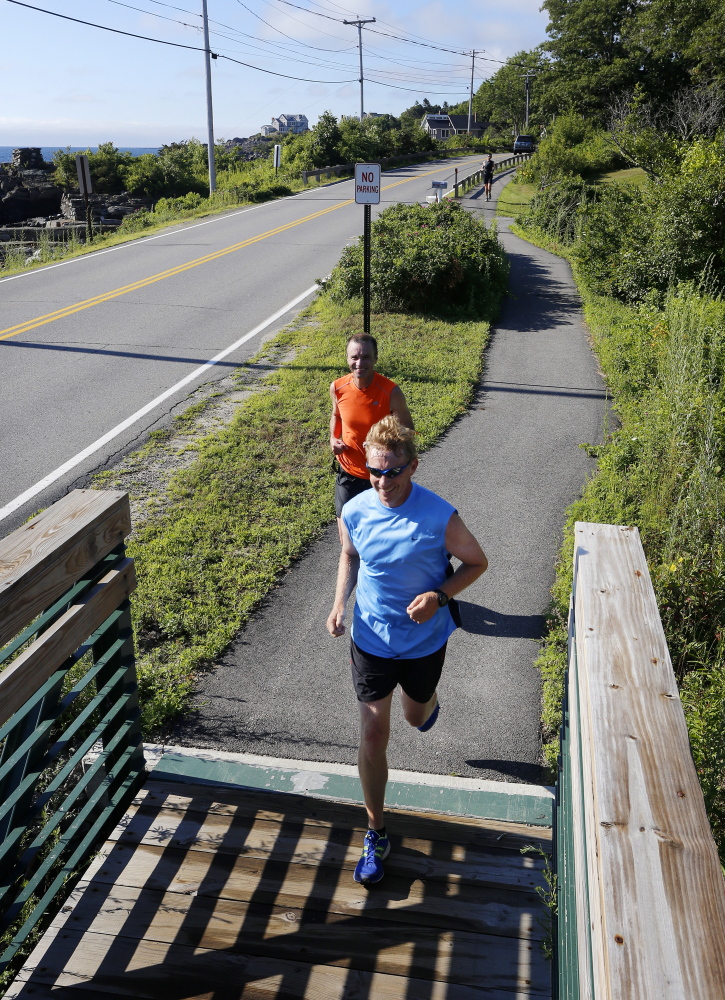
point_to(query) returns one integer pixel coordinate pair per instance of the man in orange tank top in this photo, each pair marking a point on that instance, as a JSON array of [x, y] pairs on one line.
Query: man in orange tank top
[[360, 400]]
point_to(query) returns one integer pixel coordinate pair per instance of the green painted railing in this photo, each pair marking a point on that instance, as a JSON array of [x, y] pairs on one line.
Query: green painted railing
[[640, 891], [67, 686]]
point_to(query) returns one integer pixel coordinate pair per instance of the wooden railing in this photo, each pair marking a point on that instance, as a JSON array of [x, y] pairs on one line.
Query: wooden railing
[[384, 161], [68, 684], [641, 895], [476, 177]]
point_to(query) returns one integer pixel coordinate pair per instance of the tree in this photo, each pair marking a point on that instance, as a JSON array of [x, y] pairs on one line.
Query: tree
[[323, 141], [686, 38], [501, 99], [597, 52]]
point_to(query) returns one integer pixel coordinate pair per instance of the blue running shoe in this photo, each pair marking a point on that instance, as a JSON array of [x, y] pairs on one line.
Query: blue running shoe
[[369, 868], [430, 721]]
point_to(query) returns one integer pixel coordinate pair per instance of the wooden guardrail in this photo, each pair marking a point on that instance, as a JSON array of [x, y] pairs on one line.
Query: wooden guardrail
[[641, 895], [384, 162], [68, 684], [477, 176]]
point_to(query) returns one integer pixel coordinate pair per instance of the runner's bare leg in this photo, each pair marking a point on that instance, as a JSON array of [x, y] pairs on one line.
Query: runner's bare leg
[[372, 759]]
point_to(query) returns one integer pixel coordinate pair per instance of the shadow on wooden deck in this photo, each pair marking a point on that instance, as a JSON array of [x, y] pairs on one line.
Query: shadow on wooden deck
[[227, 893]]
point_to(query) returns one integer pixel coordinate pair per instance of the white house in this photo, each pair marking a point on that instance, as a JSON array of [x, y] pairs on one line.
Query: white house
[[286, 123], [444, 126]]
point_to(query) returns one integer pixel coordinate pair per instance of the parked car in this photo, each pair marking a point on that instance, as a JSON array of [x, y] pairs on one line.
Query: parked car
[[524, 144]]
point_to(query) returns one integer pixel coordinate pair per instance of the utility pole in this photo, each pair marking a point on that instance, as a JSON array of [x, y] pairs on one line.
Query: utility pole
[[526, 76], [359, 25], [470, 95], [208, 56]]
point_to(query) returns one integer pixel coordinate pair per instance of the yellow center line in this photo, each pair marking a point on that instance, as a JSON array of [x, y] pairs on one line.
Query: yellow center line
[[31, 324]]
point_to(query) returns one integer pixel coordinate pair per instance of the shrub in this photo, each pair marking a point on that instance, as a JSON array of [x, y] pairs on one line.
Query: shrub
[[572, 147], [556, 210], [434, 259]]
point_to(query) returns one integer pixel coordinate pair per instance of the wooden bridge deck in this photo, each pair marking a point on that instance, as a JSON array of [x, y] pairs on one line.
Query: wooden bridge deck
[[212, 892]]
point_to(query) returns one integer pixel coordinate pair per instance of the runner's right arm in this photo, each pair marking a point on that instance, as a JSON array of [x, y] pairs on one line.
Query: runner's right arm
[[337, 445], [399, 408], [347, 570]]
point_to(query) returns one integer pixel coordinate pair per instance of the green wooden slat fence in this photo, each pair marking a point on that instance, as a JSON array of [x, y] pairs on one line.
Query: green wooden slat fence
[[67, 686]]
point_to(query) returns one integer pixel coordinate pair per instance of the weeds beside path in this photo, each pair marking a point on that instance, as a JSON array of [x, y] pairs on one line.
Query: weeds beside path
[[662, 469]]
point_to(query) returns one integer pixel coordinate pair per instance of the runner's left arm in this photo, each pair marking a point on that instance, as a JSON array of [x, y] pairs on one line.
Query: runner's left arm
[[461, 544], [347, 570]]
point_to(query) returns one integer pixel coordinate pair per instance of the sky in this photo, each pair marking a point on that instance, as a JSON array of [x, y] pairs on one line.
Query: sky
[[63, 83]]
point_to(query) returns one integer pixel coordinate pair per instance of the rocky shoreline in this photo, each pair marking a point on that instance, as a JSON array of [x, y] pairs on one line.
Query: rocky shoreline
[[32, 206]]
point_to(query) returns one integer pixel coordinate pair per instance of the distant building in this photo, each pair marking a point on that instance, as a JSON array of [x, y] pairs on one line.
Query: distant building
[[287, 123], [444, 126]]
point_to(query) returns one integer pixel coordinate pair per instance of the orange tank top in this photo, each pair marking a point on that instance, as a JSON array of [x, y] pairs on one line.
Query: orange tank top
[[359, 409]]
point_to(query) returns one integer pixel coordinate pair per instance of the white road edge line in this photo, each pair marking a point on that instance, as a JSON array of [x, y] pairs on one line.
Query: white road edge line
[[174, 230], [129, 421]]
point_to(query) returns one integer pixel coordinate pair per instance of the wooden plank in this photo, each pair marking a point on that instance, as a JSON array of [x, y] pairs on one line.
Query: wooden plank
[[226, 809], [656, 890], [159, 971], [279, 806], [45, 654], [303, 843], [44, 558], [316, 937], [437, 904], [580, 779]]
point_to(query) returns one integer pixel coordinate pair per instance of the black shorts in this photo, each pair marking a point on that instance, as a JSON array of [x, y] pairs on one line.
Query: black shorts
[[347, 487], [375, 677]]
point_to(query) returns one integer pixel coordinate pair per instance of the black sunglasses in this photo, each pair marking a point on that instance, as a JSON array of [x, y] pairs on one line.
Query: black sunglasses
[[390, 473]]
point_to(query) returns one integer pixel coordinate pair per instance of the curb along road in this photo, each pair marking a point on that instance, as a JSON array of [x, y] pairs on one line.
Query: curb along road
[[511, 466]]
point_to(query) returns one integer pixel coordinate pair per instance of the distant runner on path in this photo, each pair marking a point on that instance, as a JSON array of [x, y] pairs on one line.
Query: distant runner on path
[[488, 175], [397, 539], [359, 400]]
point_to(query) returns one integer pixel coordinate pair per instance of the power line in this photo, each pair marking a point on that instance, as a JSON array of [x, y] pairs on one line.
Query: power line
[[176, 45], [174, 20], [103, 27], [171, 7], [306, 44], [285, 75]]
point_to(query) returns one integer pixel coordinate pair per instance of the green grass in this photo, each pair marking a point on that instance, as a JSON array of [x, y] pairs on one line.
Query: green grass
[[632, 175], [514, 199], [261, 489]]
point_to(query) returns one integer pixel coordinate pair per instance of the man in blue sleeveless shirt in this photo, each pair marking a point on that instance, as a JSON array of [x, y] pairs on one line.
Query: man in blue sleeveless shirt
[[397, 541]]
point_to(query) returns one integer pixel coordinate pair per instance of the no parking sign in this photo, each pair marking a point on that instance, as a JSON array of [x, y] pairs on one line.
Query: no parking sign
[[367, 183]]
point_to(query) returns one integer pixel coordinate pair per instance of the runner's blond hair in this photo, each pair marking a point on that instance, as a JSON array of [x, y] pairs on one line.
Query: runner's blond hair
[[389, 434]]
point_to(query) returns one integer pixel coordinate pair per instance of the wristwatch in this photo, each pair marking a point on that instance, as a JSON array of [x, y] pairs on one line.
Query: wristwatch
[[442, 598]]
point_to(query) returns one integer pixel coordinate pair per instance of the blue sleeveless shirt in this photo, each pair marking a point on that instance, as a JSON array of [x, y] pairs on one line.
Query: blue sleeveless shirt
[[402, 554]]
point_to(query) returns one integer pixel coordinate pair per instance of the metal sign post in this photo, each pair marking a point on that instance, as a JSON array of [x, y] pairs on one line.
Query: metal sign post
[[84, 185], [277, 158], [367, 193]]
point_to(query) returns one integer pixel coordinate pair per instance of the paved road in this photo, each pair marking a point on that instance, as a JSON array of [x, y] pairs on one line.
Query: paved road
[[511, 466], [86, 344]]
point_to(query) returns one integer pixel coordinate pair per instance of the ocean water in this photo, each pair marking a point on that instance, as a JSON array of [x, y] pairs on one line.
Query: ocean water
[[6, 152]]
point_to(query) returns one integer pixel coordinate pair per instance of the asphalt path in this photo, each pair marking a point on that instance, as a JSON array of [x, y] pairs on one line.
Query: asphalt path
[[511, 466], [97, 352]]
